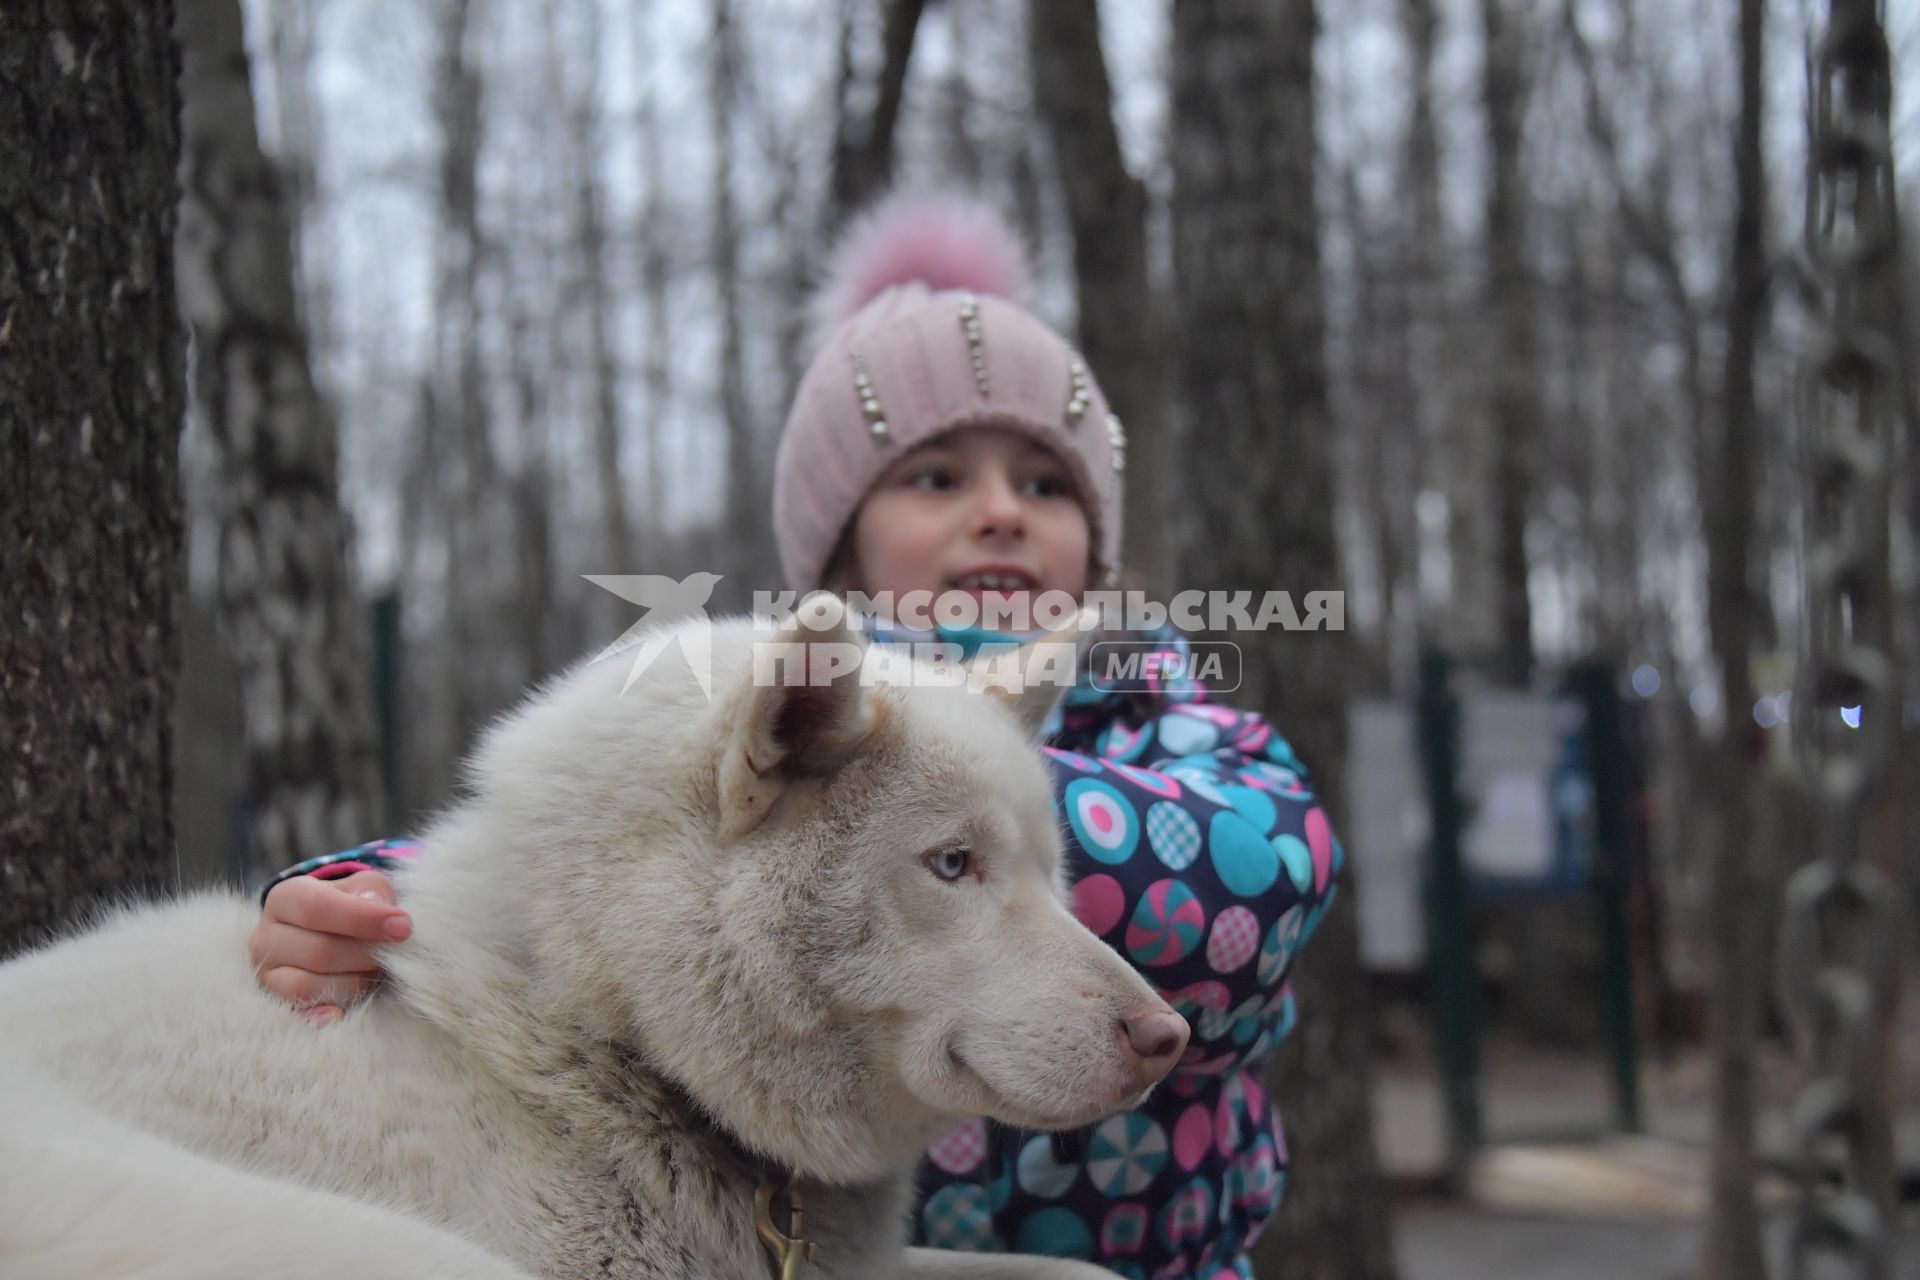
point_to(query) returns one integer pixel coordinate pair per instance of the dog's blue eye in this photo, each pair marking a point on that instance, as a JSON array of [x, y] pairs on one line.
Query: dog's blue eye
[[949, 864]]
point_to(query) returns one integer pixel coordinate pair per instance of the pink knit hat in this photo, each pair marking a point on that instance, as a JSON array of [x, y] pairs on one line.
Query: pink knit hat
[[924, 333]]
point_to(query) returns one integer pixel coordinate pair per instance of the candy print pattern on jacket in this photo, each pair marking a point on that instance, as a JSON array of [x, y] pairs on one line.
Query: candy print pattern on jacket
[[1197, 850]]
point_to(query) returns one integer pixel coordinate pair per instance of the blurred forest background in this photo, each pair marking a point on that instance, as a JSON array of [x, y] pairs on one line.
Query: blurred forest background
[[1482, 311], [551, 260]]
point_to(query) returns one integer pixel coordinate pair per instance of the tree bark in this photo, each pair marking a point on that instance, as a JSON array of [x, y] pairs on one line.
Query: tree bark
[[654, 271], [287, 605], [1424, 289], [590, 220], [1732, 1247], [1514, 399], [91, 391], [547, 627], [466, 478], [747, 535], [1254, 512], [291, 43], [1120, 331]]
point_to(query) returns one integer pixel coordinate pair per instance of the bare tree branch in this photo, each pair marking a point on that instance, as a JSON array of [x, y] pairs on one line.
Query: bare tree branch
[[1645, 221]]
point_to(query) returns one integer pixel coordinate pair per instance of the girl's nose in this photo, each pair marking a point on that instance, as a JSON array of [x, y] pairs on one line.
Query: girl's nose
[[999, 510]]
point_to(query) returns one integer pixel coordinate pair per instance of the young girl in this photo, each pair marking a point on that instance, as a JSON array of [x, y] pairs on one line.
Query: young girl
[[945, 440]]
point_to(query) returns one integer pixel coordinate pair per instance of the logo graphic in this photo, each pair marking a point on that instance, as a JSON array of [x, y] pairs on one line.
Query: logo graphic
[[1119, 666], [667, 601]]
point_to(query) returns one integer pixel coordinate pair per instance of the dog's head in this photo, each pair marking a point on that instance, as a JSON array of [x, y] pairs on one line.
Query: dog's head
[[830, 909]]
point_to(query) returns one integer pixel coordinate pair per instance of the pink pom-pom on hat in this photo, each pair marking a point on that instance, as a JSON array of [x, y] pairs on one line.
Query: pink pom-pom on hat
[[942, 242], [923, 330]]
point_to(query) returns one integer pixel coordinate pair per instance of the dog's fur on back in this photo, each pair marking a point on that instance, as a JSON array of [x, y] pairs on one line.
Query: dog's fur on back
[[667, 952]]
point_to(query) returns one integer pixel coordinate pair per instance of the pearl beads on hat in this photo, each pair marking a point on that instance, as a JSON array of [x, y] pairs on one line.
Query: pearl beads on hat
[[869, 401]]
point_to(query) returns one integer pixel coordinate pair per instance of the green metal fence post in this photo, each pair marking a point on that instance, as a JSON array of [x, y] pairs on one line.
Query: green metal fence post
[[1607, 749], [1455, 980]]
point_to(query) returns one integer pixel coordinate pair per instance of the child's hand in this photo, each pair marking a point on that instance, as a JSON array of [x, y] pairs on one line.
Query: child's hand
[[314, 943]]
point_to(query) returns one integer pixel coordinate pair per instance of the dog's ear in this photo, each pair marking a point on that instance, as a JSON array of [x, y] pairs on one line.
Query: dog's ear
[[804, 712], [1031, 680], [1032, 703]]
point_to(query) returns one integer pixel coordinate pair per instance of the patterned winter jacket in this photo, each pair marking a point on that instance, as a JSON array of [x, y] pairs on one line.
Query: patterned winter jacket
[[1197, 851]]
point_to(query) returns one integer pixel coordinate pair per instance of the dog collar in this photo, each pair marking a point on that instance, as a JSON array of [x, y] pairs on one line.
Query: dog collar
[[789, 1248]]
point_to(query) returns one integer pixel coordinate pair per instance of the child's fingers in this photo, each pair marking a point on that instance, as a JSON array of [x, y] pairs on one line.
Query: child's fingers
[[276, 944], [371, 884], [309, 990], [336, 907]]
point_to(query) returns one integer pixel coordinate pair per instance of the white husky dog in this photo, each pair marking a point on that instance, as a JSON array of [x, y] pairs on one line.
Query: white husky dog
[[690, 987]]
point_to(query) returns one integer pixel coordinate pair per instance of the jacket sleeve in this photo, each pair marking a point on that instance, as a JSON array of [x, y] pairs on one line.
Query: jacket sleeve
[[380, 855], [1213, 800]]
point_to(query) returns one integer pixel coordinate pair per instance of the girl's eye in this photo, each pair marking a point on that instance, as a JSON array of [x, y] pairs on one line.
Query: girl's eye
[[951, 863], [1049, 486], [937, 479]]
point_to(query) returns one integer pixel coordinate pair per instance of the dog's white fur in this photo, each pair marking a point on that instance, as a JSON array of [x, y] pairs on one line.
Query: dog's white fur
[[665, 952]]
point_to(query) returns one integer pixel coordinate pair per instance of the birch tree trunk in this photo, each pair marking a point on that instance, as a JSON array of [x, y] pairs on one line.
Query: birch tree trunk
[[91, 392], [285, 593], [1120, 331], [1254, 512]]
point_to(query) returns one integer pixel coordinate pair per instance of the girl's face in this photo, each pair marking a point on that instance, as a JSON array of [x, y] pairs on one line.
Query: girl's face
[[982, 510]]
